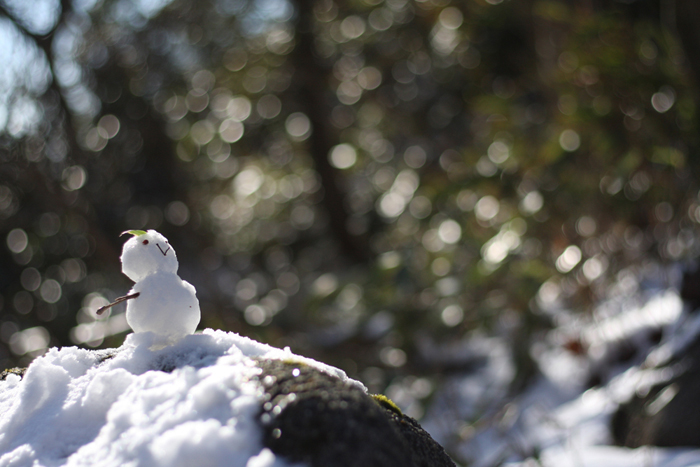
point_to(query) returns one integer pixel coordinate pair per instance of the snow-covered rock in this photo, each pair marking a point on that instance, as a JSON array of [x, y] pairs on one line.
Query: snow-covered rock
[[118, 407], [211, 399], [561, 419], [666, 412]]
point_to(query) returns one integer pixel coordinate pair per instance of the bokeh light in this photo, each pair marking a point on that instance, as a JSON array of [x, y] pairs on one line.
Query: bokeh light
[[359, 181]]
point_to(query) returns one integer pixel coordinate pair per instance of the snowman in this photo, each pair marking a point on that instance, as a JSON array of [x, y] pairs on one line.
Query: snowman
[[159, 302]]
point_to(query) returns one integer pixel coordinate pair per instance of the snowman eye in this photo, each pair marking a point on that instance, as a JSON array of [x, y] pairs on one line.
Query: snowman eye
[[145, 242]]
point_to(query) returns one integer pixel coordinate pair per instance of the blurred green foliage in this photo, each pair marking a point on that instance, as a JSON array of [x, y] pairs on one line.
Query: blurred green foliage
[[367, 181]]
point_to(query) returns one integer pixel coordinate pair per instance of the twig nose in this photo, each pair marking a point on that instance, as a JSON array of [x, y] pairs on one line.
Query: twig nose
[[161, 250]]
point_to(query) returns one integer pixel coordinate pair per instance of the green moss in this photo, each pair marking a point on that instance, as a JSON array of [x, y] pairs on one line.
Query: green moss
[[293, 362], [387, 403]]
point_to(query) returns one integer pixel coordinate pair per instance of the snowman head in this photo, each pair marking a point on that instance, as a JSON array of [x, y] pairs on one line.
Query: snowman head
[[147, 253]]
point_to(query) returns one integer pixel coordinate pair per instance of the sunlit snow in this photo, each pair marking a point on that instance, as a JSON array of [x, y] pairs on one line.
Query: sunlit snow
[[192, 403]]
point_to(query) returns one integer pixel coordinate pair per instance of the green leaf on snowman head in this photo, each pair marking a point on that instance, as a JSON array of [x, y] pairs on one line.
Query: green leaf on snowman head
[[135, 233]]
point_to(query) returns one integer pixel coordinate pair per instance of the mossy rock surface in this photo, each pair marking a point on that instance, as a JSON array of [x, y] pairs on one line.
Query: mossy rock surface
[[12, 371], [317, 419]]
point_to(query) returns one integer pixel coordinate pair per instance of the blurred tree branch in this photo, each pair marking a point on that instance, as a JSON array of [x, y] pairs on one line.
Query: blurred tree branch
[[44, 43]]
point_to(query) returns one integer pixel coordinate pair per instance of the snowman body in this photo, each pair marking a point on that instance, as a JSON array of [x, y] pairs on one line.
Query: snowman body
[[166, 305]]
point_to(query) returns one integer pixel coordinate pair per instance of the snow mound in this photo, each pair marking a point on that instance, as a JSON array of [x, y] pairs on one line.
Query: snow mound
[[193, 403]]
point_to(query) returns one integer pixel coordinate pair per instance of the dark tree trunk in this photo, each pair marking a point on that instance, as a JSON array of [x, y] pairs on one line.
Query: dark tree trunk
[[688, 29], [313, 78]]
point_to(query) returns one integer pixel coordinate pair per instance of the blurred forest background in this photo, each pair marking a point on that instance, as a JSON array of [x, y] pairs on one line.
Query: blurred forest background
[[370, 182]]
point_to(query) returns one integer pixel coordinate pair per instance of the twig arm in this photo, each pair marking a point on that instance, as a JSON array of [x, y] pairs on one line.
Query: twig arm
[[102, 309]]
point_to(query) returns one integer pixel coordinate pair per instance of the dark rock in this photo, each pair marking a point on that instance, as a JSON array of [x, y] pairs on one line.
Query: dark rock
[[669, 414], [315, 418], [690, 288]]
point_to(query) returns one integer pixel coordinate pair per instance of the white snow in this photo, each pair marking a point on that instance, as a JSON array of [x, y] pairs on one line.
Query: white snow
[[610, 456], [76, 407]]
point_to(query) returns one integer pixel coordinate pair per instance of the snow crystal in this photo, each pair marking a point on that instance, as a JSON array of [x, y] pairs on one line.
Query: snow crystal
[[193, 403]]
